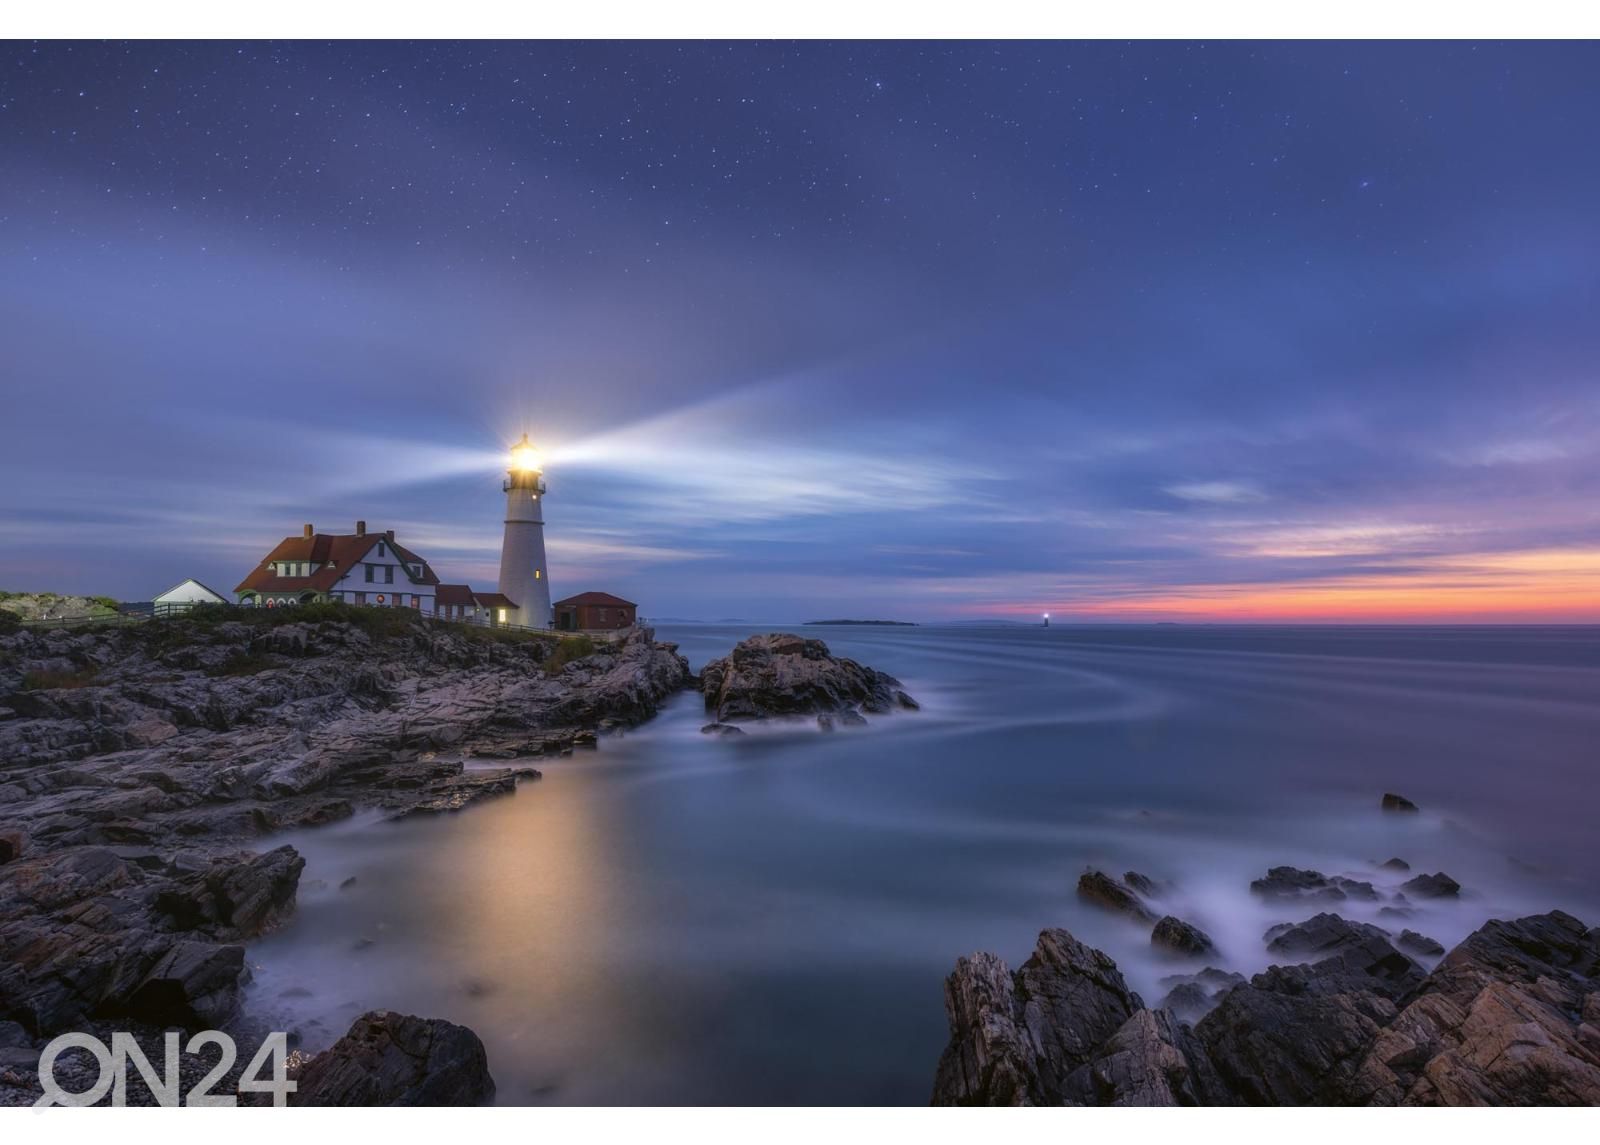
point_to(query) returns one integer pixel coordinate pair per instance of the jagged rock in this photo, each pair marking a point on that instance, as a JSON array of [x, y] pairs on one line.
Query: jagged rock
[[1192, 996], [390, 1059], [906, 701], [1438, 885], [1421, 944], [1393, 802], [1293, 883], [1140, 1064], [825, 722], [1179, 937], [1101, 890], [1509, 1017], [1399, 865], [1014, 1039], [780, 674], [851, 718], [1141, 884], [721, 730]]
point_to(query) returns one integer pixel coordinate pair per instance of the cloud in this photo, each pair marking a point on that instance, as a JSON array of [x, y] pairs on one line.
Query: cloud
[[1217, 492]]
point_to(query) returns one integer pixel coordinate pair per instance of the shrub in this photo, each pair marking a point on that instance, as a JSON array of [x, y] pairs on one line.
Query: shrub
[[9, 621], [568, 649]]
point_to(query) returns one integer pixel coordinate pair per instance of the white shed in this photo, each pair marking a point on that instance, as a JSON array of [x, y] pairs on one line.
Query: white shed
[[186, 595]]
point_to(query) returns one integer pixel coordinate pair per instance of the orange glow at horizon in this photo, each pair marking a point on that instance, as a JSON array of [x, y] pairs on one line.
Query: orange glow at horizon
[[1549, 586]]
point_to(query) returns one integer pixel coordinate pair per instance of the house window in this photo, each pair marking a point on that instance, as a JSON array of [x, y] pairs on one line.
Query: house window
[[388, 574], [538, 574], [361, 598], [372, 574], [380, 549], [416, 601], [502, 616]]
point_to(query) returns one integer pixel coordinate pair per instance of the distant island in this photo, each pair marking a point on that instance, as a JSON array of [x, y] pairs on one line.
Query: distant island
[[894, 623]]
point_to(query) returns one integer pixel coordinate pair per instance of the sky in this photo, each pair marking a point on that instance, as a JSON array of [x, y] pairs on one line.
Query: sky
[[922, 331]]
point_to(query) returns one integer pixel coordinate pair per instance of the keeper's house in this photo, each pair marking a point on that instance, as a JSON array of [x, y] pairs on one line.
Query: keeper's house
[[357, 568], [594, 611]]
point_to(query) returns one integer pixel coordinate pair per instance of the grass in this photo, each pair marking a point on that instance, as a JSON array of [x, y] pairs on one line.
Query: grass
[[568, 649], [43, 679]]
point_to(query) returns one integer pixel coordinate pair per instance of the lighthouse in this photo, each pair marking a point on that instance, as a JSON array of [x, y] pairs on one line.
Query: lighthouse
[[524, 579]]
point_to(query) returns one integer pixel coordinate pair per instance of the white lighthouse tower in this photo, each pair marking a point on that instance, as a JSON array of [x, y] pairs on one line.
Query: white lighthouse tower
[[523, 575]]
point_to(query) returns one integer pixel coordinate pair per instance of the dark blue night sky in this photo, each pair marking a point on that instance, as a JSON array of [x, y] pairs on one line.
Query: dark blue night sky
[[1123, 331]]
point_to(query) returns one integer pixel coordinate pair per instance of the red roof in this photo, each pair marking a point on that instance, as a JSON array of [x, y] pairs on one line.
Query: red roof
[[338, 553], [597, 598], [450, 594], [493, 600]]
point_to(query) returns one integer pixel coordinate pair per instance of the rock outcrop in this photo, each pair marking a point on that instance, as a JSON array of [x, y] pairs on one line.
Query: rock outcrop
[[1510, 1016], [781, 674], [390, 1059], [1180, 938], [135, 761], [1099, 889]]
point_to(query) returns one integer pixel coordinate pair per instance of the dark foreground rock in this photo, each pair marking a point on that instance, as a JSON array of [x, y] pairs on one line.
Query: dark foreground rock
[[1399, 803], [397, 1059], [781, 674], [1099, 889], [1510, 1016]]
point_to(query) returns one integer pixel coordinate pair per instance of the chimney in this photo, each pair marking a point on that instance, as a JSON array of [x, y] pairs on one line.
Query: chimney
[[308, 533], [390, 535], [361, 528]]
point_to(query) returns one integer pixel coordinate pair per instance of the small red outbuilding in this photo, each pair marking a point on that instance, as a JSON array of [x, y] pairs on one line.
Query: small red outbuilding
[[594, 610]]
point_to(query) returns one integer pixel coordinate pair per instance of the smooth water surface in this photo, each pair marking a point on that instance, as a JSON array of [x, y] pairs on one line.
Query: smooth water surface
[[769, 919]]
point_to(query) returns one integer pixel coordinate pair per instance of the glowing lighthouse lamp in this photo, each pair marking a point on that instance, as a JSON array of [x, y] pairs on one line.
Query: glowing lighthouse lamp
[[522, 568], [1047, 620]]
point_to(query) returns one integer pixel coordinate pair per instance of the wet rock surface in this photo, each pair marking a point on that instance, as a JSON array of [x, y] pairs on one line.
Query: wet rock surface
[[780, 674], [1507, 1017], [125, 799]]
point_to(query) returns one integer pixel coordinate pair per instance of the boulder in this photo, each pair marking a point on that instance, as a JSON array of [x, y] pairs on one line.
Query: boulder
[[1175, 936], [722, 730], [1141, 884], [1399, 803], [389, 1059], [195, 985], [1294, 883], [781, 674], [1100, 889], [1434, 886], [1415, 943], [1399, 865]]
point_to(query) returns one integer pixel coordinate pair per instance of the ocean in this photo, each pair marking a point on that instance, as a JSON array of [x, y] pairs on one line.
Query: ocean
[[768, 919]]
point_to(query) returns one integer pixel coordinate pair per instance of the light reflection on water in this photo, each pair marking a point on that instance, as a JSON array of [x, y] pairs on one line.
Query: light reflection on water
[[768, 919]]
